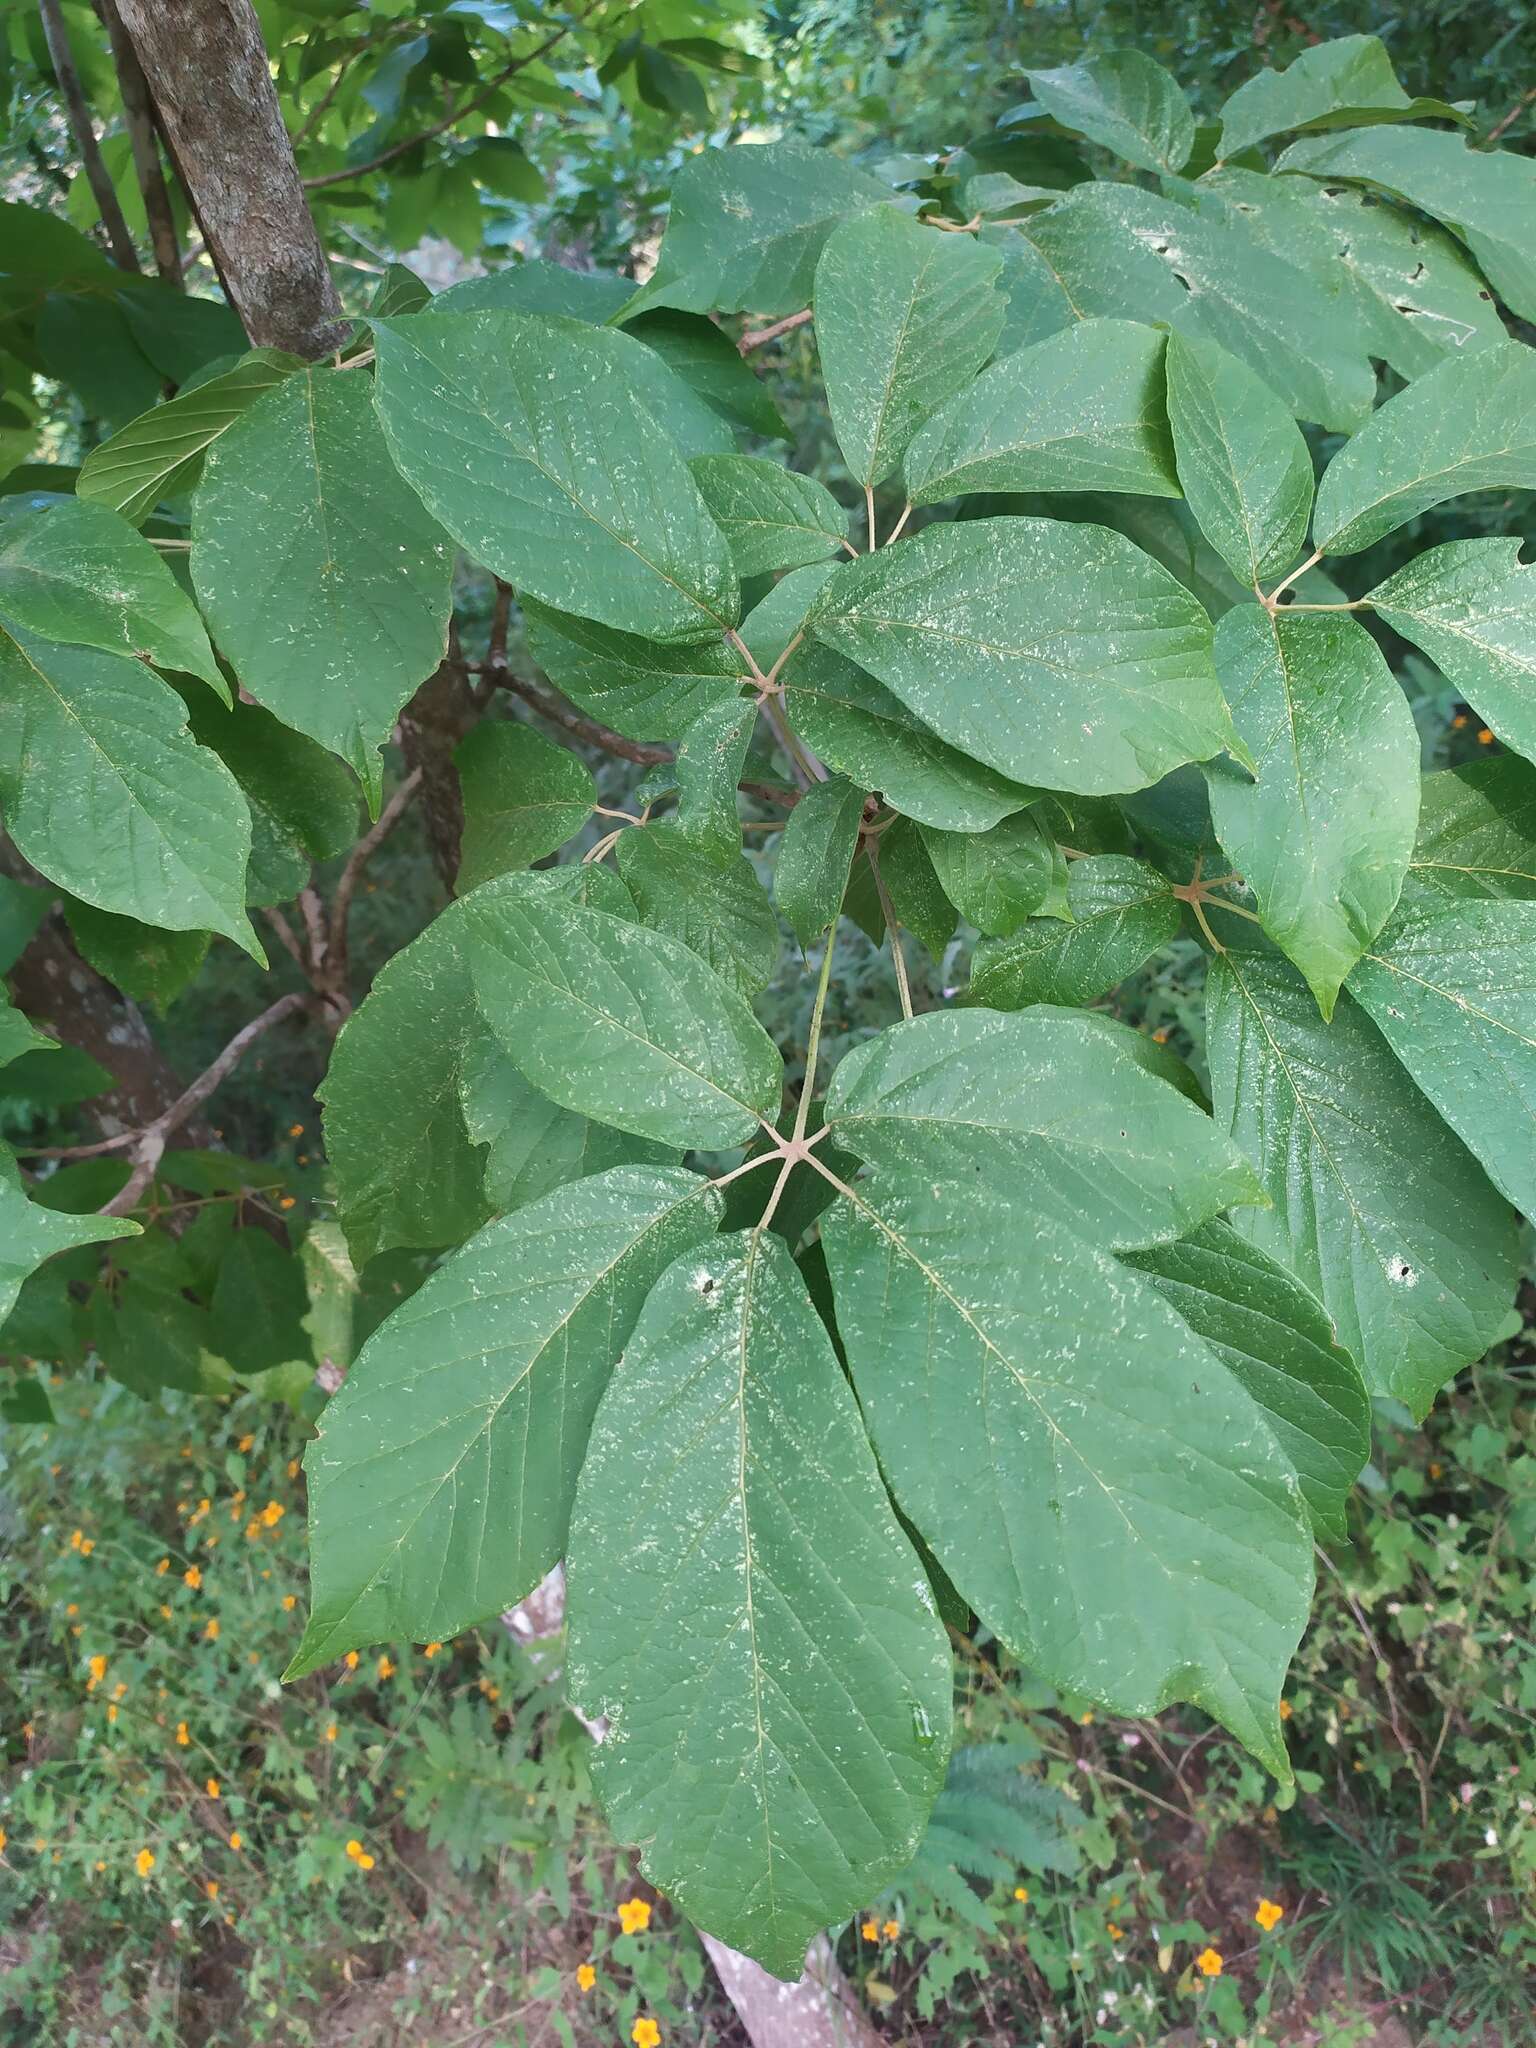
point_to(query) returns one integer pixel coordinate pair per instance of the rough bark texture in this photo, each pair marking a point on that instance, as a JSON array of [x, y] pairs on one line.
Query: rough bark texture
[[79, 116], [138, 113], [431, 727], [212, 87], [819, 2009]]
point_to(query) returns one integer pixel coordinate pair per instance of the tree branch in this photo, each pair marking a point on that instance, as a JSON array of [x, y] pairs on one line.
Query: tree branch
[[760, 335], [352, 873], [124, 255], [138, 113], [148, 1141], [461, 113], [559, 713]]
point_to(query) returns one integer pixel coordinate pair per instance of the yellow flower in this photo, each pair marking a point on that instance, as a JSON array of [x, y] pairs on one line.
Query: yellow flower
[[1286, 1710], [1115, 1933], [891, 1930], [192, 1577], [212, 1788], [1085, 1720], [1021, 1893], [165, 1612], [359, 1855], [182, 1737], [1484, 737], [211, 1887], [1269, 1914], [3, 1839], [162, 1567], [290, 1601], [237, 1840], [634, 1915], [1208, 1962], [212, 1630], [330, 1731], [293, 1468], [245, 1443], [645, 2034], [586, 1977], [76, 1538], [273, 1513], [144, 1862], [98, 1670], [112, 1711], [385, 1668], [431, 1649], [72, 1610], [350, 1660], [87, 1547], [869, 1931]]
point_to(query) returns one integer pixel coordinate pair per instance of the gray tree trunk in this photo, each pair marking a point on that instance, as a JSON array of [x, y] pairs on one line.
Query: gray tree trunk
[[208, 75]]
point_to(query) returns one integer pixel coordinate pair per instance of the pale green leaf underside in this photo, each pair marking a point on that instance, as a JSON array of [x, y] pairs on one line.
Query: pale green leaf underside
[[777, 1685], [1471, 606], [1451, 986], [1245, 469], [1122, 912], [1054, 1108], [441, 1478], [526, 440], [1277, 1341], [325, 583], [1125, 100], [620, 1023], [78, 573], [905, 317], [107, 794], [1045, 1420], [1081, 411], [1323, 838], [1058, 654], [1377, 1206], [1467, 425]]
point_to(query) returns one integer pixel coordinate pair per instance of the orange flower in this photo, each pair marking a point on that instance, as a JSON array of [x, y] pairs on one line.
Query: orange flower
[[586, 1977], [350, 1660], [237, 1840], [162, 1567], [1269, 1914], [634, 1915], [212, 1788], [1286, 1710], [359, 1855], [1208, 1962], [869, 1930], [330, 1732], [144, 1862], [290, 1601], [182, 1737], [192, 1577], [211, 1887], [273, 1513], [212, 1630], [1115, 1933], [3, 1839], [431, 1649], [98, 1670], [295, 1130], [385, 1668], [245, 1443], [112, 1711], [891, 1930]]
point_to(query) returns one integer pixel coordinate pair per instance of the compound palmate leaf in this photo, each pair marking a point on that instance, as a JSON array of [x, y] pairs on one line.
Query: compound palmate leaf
[[748, 1616], [527, 440], [1046, 1420], [1060, 655], [442, 1474], [1377, 1206]]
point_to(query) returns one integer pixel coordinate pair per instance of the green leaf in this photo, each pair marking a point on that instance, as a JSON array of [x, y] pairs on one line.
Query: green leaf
[[1477, 830], [1057, 1109], [1378, 1208], [905, 317], [534, 1145], [440, 1481], [821, 836], [1245, 469], [712, 367], [1120, 251], [1471, 606], [1060, 655], [777, 1688], [161, 452], [1346, 83], [527, 439], [857, 727], [258, 1304], [303, 802], [523, 797], [1411, 292], [17, 1035], [1125, 101], [1045, 1420], [148, 965], [1123, 912], [1323, 838], [79, 573], [714, 906], [1082, 411], [1464, 426], [1276, 1340], [916, 893], [711, 757], [537, 286], [1451, 986], [635, 686], [1483, 196], [29, 1233], [772, 518], [22, 910], [325, 583], [747, 225], [997, 879], [621, 1023], [107, 794]]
